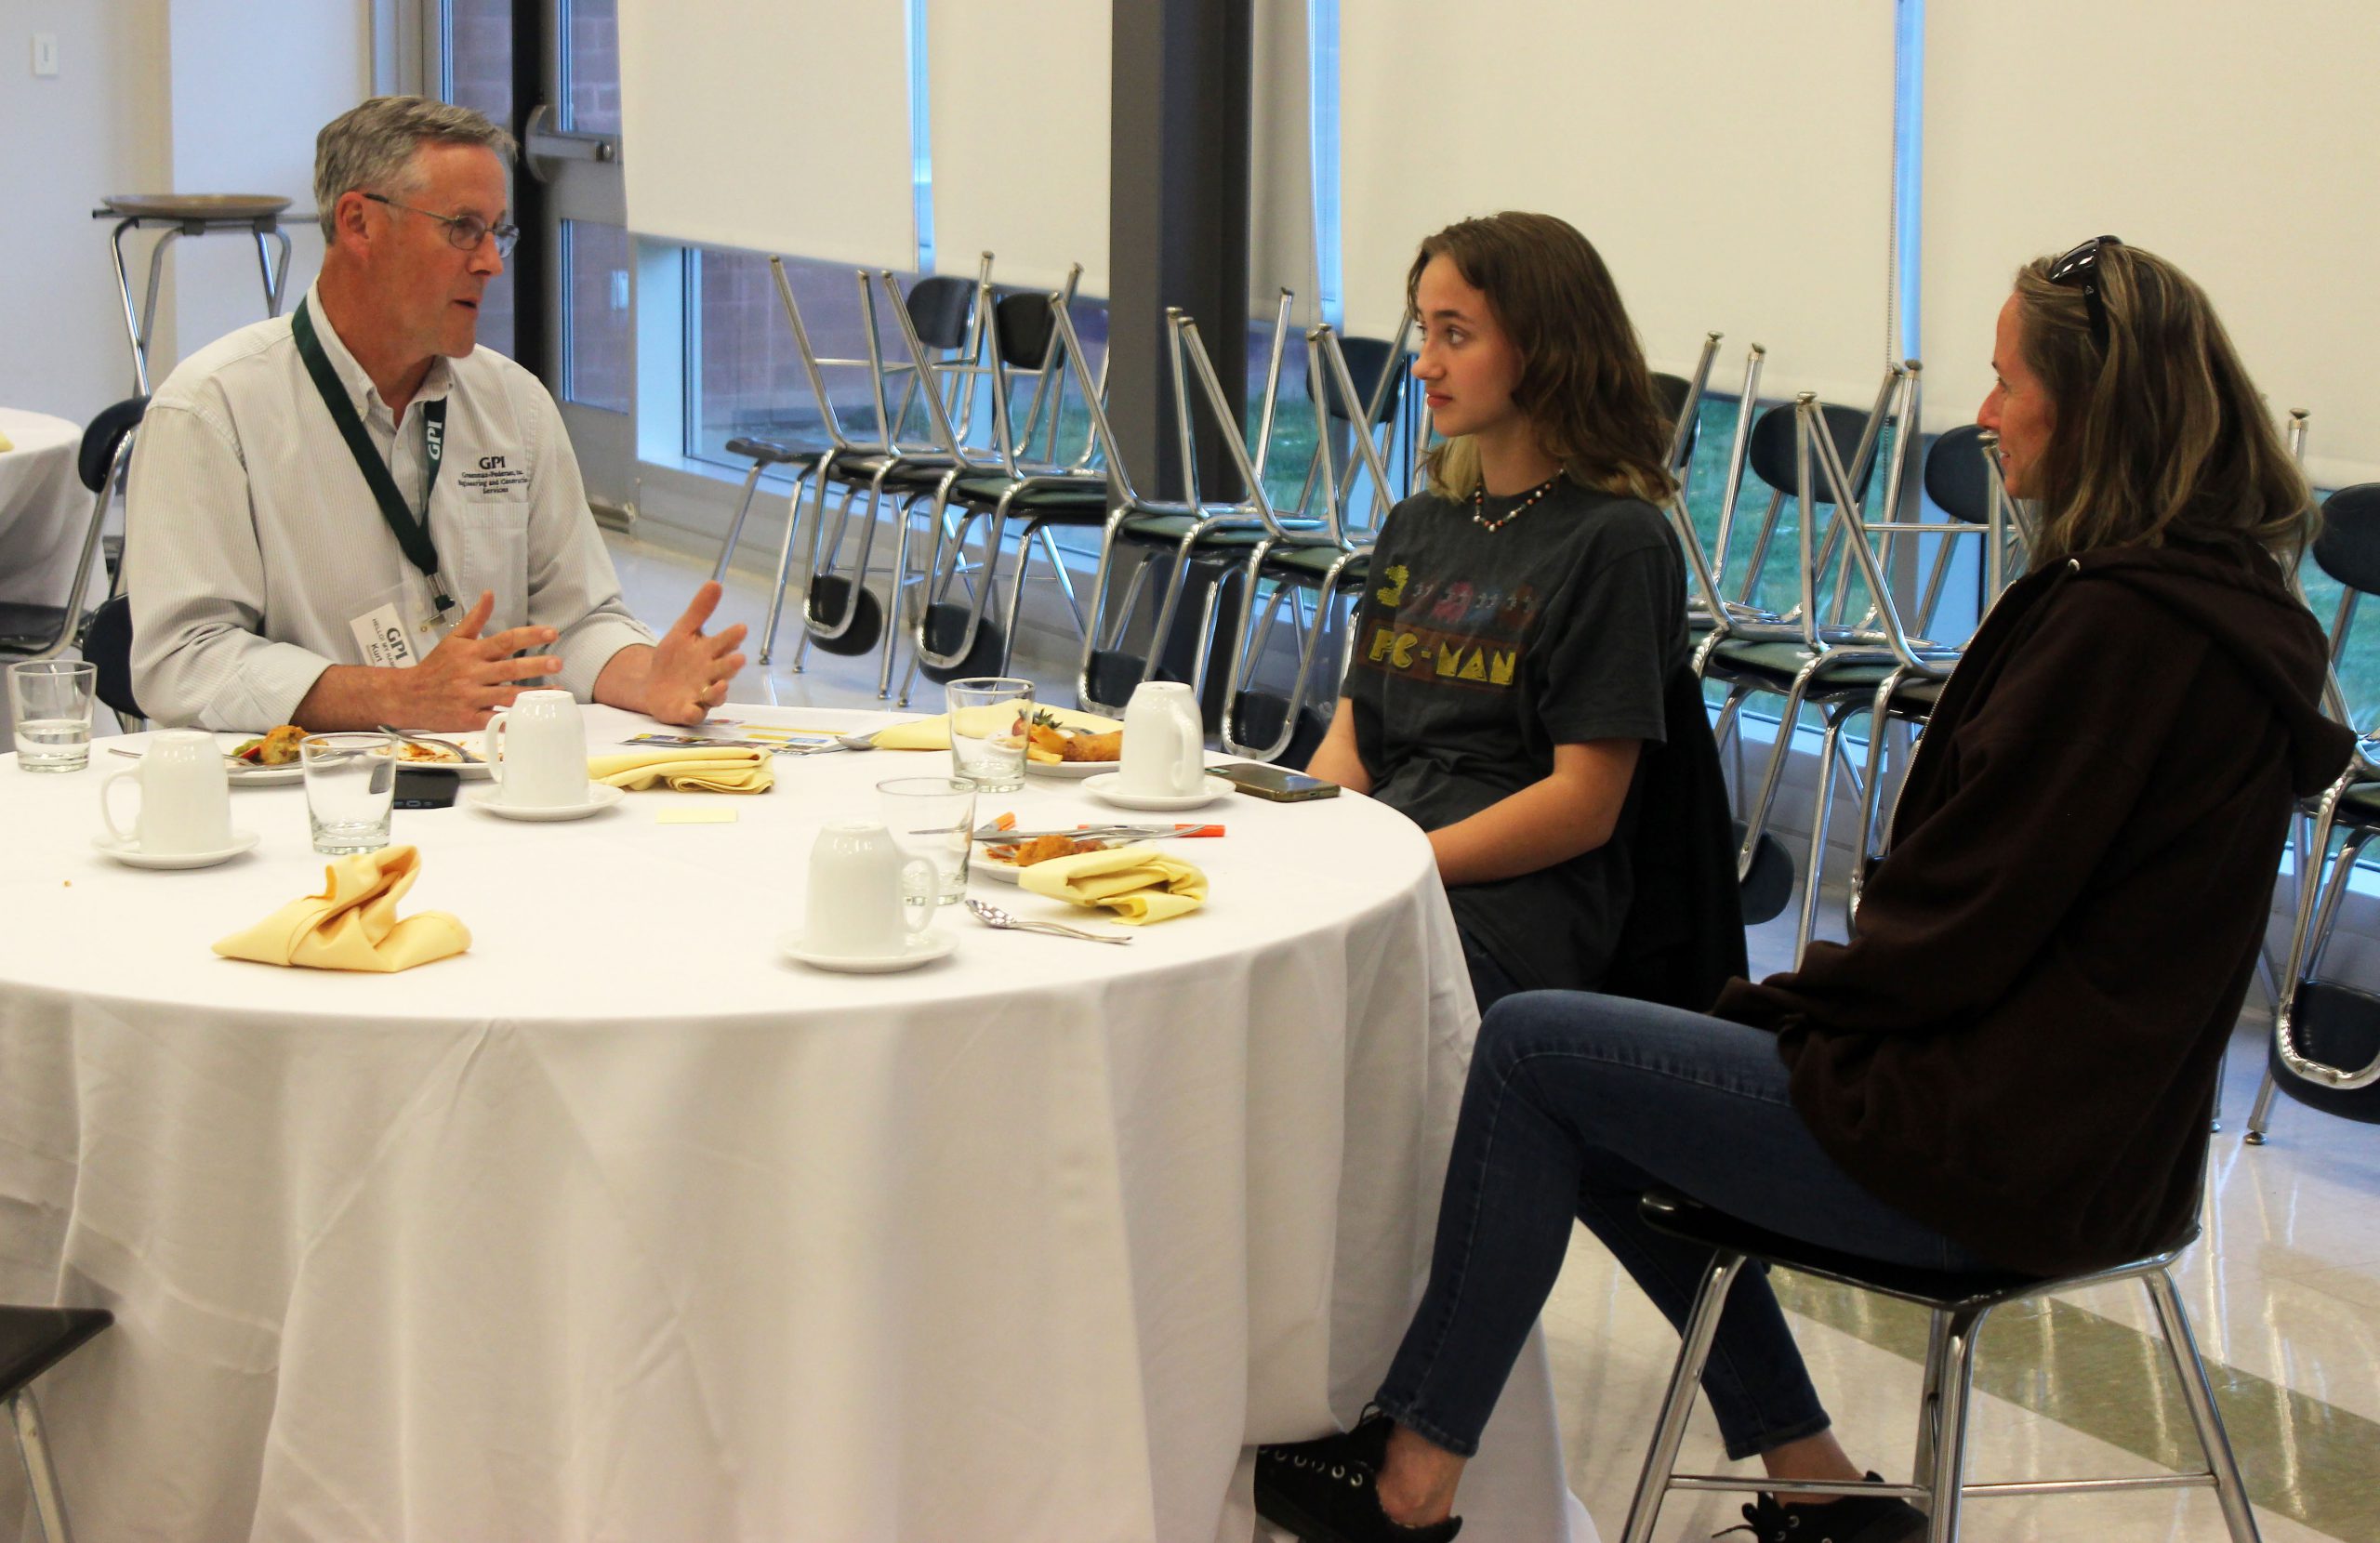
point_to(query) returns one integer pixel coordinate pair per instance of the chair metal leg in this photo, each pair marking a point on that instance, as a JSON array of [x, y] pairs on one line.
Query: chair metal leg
[[1821, 820], [735, 527], [2198, 1394], [41, 1479], [1694, 1349], [2260, 1117], [785, 567], [1953, 1392], [1929, 1402]]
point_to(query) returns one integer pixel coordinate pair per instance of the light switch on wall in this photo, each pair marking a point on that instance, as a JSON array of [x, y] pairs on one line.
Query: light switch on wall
[[44, 54]]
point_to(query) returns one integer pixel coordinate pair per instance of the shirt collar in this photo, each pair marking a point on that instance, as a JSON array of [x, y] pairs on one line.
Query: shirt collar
[[352, 376]]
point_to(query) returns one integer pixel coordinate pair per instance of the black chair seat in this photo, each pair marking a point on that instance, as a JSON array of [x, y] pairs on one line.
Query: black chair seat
[[28, 628], [1945, 1290], [107, 643], [983, 492], [775, 452], [1737, 657], [32, 1339], [1313, 564]]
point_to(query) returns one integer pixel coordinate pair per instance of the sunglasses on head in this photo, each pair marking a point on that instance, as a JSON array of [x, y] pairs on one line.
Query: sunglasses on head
[[2080, 270]]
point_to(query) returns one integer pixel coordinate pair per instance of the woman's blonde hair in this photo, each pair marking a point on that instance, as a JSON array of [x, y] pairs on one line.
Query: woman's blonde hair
[[1583, 383], [2160, 435]]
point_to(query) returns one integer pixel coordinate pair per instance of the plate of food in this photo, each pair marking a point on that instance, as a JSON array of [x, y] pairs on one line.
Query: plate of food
[[1057, 751], [1006, 863], [434, 750], [264, 761]]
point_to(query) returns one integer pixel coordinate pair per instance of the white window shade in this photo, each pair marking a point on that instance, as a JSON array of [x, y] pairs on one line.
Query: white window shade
[[776, 128], [2237, 140], [1020, 127], [1731, 160]]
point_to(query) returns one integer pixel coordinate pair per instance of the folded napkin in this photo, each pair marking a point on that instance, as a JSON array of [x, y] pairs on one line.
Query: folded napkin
[[933, 734], [1140, 884], [6, 443], [353, 924], [694, 769]]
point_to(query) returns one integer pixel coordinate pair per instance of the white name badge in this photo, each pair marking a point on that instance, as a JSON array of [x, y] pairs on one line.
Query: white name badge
[[382, 638]]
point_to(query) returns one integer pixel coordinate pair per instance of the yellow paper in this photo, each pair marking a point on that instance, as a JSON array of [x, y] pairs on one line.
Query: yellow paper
[[696, 814], [353, 924], [933, 734], [1140, 884], [693, 768]]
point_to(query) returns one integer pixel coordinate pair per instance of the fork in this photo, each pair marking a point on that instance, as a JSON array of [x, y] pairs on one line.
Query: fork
[[1007, 921], [469, 759]]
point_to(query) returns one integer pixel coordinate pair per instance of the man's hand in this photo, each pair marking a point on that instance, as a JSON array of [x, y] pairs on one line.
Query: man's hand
[[456, 685], [682, 676]]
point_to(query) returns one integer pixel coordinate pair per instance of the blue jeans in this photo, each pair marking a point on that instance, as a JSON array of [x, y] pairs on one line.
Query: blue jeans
[[1576, 1105]]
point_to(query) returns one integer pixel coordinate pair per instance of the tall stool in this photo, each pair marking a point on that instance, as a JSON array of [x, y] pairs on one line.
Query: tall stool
[[1959, 1302], [32, 1339], [179, 215]]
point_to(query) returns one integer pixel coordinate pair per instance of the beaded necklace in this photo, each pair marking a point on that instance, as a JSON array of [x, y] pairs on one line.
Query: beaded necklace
[[1479, 499]]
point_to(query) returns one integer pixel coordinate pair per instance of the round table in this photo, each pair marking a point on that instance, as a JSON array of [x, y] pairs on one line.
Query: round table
[[623, 1225], [44, 509]]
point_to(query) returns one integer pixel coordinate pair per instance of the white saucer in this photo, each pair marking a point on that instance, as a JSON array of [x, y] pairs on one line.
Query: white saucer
[[1105, 790], [133, 857], [600, 796], [933, 945], [1067, 771]]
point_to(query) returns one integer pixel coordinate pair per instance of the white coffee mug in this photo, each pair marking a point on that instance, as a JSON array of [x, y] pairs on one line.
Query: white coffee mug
[[866, 899], [536, 751], [185, 797], [1164, 750]]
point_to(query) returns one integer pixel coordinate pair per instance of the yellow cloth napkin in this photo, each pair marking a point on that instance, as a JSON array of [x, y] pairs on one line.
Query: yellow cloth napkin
[[6, 443], [933, 734], [690, 770], [1140, 884], [353, 924]]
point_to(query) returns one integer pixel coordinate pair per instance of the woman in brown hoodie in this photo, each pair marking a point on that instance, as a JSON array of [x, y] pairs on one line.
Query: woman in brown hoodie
[[2012, 1064]]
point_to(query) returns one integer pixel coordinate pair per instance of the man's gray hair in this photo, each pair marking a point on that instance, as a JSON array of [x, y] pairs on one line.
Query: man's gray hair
[[372, 147]]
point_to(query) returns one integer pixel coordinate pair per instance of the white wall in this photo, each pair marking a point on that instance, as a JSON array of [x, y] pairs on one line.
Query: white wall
[[176, 96], [99, 126]]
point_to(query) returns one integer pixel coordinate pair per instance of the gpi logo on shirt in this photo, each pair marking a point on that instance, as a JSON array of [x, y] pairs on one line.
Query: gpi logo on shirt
[[494, 474]]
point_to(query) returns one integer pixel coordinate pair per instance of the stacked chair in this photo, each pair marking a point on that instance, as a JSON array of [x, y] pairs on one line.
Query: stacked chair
[[1198, 537], [2325, 1049], [1309, 574], [997, 481], [839, 612]]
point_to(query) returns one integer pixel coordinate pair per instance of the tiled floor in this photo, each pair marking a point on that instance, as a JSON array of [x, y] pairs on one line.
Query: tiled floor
[[2285, 1294]]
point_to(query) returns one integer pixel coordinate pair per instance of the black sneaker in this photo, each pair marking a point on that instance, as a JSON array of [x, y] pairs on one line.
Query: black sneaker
[[1853, 1519], [1324, 1491]]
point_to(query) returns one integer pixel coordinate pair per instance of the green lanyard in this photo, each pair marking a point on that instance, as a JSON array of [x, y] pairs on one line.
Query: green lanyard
[[412, 533]]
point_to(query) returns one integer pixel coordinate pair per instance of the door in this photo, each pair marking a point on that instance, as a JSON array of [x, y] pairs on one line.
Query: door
[[549, 70]]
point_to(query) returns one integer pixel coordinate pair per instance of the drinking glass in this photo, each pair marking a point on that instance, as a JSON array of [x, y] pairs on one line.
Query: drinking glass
[[351, 786], [933, 818], [49, 703], [989, 718]]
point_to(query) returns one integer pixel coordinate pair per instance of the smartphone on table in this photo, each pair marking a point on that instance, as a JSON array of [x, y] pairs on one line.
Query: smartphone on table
[[1276, 783], [425, 787]]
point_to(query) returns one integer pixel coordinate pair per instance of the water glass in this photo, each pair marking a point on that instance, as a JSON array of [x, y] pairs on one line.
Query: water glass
[[351, 786], [990, 718], [933, 818], [49, 703]]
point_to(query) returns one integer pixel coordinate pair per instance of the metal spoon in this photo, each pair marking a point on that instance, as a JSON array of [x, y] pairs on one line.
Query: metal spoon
[[1007, 921], [844, 742]]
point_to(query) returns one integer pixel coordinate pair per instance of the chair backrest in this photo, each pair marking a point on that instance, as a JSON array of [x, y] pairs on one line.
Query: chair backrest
[[1955, 478], [1772, 449], [940, 308], [103, 435], [1366, 358], [1022, 328], [107, 643], [2349, 549]]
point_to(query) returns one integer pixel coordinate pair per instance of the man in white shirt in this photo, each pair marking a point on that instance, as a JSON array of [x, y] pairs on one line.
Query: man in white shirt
[[290, 536]]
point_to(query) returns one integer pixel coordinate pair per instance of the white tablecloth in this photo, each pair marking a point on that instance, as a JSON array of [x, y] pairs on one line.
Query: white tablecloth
[[43, 508], [620, 1226]]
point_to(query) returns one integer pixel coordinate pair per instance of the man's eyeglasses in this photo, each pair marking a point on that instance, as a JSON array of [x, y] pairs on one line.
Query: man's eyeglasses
[[463, 232], [2080, 270]]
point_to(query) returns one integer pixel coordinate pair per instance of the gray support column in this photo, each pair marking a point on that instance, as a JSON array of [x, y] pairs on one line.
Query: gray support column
[[1178, 192]]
